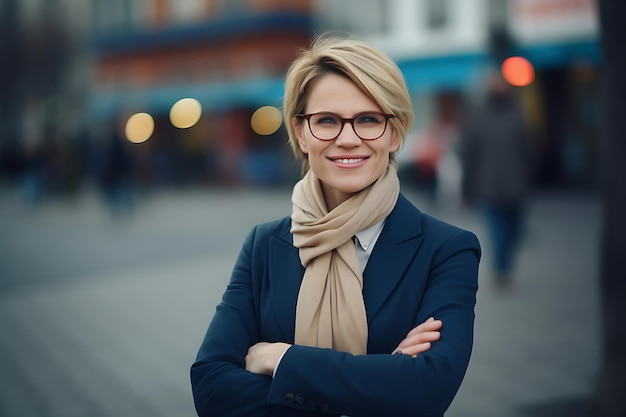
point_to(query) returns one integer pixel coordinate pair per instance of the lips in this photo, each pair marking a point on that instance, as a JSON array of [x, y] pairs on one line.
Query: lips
[[347, 160]]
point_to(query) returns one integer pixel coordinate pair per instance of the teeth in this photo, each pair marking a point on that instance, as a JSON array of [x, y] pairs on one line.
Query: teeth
[[349, 161]]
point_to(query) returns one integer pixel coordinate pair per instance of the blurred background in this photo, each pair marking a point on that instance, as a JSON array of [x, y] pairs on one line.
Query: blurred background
[[75, 71], [140, 140]]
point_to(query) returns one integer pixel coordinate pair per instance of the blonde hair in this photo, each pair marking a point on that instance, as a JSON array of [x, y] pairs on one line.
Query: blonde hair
[[373, 72]]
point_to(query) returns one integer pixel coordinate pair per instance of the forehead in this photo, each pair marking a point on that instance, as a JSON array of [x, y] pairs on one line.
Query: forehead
[[338, 94]]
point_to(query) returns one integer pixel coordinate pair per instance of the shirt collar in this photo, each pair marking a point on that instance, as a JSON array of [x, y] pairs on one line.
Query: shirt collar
[[366, 238]]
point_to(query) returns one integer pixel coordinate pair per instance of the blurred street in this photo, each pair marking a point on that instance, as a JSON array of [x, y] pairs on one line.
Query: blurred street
[[101, 314]]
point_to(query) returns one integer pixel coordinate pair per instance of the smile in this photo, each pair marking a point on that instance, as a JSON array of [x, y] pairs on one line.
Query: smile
[[348, 161]]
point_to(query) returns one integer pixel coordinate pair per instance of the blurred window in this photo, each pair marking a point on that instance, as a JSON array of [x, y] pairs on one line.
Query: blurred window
[[185, 10], [365, 17], [232, 6], [137, 14], [437, 14], [112, 14], [28, 9], [497, 13]]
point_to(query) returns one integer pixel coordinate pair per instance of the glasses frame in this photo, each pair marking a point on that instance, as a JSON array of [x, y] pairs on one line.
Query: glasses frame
[[345, 120]]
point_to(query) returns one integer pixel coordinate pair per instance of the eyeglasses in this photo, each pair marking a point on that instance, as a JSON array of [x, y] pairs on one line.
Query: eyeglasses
[[328, 126]]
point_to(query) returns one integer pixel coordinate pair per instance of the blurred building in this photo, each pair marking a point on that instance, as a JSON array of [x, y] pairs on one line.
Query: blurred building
[[44, 74], [230, 55], [78, 69], [443, 47]]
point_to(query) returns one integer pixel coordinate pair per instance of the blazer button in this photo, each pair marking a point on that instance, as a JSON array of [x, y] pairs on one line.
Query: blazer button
[[290, 398], [299, 399]]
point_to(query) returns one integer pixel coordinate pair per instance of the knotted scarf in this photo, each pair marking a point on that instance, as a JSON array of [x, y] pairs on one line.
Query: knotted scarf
[[330, 312]]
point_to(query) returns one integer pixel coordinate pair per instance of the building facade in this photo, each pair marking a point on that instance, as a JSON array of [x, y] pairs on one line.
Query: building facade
[[44, 73], [445, 46], [231, 56], [80, 68]]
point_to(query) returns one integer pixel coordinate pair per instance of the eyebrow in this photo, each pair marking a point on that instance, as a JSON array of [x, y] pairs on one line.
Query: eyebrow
[[339, 115]]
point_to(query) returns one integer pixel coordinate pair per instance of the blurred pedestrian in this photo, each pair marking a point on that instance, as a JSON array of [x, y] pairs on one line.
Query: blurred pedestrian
[[443, 134], [117, 175], [32, 183], [497, 167], [357, 304]]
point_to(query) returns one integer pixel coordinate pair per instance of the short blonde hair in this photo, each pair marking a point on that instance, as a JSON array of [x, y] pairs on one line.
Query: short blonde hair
[[373, 72]]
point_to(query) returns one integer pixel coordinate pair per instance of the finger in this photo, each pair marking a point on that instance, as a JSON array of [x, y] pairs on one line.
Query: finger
[[421, 348], [423, 337], [428, 326], [408, 345], [252, 355], [428, 331], [424, 323], [418, 339]]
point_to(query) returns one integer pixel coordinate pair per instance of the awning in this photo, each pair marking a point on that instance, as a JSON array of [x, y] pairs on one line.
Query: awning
[[423, 75], [251, 93]]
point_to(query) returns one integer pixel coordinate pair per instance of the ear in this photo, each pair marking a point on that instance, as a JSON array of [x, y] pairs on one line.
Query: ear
[[394, 141], [297, 125]]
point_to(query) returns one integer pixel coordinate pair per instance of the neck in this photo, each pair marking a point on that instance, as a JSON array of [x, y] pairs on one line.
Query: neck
[[334, 198]]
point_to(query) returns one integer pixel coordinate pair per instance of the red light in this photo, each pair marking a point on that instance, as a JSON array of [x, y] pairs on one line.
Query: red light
[[518, 71]]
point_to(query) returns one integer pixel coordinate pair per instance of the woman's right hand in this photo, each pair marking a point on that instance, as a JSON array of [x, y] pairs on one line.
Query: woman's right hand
[[420, 338]]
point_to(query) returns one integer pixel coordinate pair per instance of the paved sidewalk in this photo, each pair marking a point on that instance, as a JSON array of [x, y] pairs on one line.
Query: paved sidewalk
[[538, 344], [102, 317]]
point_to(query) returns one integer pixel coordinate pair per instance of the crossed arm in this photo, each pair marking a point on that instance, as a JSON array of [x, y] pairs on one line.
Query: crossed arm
[[263, 357], [232, 375]]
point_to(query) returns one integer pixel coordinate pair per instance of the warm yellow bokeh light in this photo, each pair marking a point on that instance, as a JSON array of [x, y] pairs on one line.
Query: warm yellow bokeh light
[[139, 127], [518, 71], [185, 113], [266, 120]]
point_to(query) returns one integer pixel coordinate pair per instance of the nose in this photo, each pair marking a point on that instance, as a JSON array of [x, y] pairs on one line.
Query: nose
[[347, 136]]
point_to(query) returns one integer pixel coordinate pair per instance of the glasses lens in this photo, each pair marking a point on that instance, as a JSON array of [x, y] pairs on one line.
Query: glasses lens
[[325, 126], [370, 126], [367, 126]]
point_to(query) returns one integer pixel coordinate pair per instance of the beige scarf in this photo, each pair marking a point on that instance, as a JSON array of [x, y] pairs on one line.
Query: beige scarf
[[330, 312]]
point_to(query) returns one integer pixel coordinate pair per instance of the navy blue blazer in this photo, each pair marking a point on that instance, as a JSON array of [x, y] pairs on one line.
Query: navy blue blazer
[[420, 267]]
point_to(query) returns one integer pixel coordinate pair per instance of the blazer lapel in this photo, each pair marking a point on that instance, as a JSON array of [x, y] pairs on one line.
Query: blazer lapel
[[285, 276], [395, 249]]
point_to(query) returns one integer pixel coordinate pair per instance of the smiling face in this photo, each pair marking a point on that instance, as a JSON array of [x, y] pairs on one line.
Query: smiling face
[[347, 164]]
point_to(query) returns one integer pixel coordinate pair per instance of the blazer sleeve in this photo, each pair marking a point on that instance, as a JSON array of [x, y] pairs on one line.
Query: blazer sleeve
[[397, 385], [221, 385]]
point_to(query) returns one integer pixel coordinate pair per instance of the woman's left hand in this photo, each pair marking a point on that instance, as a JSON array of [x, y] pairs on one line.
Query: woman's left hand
[[421, 338], [262, 357]]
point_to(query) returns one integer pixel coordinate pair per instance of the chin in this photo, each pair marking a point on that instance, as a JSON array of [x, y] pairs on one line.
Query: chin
[[353, 188]]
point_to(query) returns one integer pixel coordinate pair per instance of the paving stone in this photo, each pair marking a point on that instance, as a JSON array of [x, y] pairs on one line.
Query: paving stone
[[103, 318]]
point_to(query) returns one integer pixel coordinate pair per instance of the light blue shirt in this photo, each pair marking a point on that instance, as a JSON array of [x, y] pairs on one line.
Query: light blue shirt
[[365, 241]]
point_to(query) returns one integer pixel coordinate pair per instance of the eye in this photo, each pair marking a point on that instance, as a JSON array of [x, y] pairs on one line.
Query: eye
[[370, 119], [324, 119]]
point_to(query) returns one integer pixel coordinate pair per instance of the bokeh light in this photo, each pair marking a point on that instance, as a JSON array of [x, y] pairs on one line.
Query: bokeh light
[[518, 71], [139, 127], [185, 113], [266, 120]]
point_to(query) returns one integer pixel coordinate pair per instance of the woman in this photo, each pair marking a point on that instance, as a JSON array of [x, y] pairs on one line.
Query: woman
[[357, 304]]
